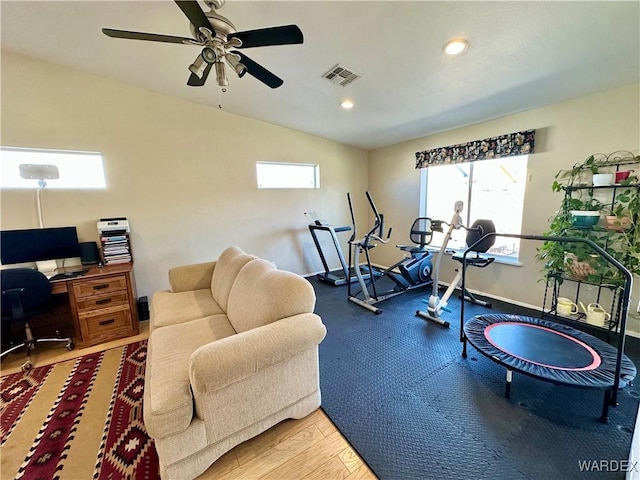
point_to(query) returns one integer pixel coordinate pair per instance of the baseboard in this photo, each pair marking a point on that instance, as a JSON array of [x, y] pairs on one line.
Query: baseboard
[[507, 300], [630, 333]]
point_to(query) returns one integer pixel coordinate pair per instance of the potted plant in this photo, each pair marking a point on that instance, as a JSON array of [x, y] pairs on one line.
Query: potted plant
[[627, 212], [572, 220], [618, 222], [581, 174], [620, 215]]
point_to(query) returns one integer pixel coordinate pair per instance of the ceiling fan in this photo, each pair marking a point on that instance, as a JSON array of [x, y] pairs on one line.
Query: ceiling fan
[[218, 36]]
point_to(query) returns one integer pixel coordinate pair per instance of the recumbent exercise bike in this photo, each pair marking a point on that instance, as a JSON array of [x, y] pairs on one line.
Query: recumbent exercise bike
[[479, 229]]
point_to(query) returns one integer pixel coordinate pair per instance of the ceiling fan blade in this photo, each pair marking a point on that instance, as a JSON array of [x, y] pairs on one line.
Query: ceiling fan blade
[[194, 13], [259, 72], [152, 37], [264, 37], [194, 81]]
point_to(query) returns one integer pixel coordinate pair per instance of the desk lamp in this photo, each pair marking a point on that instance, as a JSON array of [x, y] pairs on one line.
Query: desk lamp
[[41, 173]]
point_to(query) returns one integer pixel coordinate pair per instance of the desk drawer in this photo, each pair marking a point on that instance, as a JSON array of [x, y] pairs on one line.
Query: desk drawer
[[85, 304], [86, 288], [103, 324]]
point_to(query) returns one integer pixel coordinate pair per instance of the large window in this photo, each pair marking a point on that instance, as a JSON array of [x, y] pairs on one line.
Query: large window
[[490, 189], [287, 175], [26, 167]]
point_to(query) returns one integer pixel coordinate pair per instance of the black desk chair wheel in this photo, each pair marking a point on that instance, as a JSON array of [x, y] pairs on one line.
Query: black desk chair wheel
[[25, 293]]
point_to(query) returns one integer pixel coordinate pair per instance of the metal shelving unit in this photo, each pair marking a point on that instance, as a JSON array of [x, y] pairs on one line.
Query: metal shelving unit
[[555, 279], [552, 293]]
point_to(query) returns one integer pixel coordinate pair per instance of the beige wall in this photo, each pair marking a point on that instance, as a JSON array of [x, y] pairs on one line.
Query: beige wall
[[567, 133], [183, 174]]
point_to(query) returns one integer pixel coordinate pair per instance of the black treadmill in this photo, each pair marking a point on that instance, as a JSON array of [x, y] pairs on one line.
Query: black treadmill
[[339, 276]]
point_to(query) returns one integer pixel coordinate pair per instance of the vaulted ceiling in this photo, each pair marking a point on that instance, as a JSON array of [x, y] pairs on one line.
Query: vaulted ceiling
[[522, 55]]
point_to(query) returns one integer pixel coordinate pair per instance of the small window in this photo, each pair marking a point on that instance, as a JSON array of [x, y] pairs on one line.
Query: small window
[[27, 168], [287, 175]]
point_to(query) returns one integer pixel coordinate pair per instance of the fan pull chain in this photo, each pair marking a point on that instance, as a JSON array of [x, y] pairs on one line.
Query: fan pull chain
[[220, 92]]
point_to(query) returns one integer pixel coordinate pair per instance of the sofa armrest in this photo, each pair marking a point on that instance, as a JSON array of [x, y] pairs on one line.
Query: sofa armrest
[[196, 276], [220, 363]]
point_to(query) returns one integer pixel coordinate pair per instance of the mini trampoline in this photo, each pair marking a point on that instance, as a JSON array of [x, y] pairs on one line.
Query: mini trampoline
[[549, 351]]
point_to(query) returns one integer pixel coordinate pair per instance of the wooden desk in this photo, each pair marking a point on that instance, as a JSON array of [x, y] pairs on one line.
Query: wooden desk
[[103, 303]]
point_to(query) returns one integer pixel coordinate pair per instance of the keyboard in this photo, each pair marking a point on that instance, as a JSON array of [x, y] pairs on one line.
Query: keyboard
[[67, 275]]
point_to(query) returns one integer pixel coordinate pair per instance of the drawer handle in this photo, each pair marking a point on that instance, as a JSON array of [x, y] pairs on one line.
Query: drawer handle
[[101, 287], [106, 322], [103, 301]]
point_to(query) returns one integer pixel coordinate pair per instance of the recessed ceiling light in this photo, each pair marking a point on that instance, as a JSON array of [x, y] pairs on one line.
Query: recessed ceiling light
[[455, 46], [346, 104]]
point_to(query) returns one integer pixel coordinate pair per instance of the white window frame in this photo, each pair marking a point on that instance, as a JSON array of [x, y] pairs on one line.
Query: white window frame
[[77, 170], [466, 214], [267, 179]]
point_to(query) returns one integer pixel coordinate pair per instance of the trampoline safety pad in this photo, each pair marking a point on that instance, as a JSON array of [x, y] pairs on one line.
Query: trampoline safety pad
[[548, 350]]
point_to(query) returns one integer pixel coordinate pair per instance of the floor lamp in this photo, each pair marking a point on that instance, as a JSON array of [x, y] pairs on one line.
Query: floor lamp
[[41, 173]]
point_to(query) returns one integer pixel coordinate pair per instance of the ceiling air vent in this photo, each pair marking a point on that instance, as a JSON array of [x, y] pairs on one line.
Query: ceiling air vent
[[341, 75]]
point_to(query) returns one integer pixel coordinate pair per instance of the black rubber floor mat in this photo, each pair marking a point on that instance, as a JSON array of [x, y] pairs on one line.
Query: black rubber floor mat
[[398, 389]]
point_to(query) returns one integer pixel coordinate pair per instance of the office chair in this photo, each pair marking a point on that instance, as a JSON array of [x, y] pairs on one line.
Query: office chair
[[24, 294]]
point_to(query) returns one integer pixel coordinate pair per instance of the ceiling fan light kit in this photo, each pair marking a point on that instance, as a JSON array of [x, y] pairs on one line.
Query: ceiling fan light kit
[[198, 66], [217, 35], [209, 55], [234, 60]]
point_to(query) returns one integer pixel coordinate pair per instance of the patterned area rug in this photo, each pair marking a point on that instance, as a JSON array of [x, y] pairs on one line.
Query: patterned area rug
[[78, 419]]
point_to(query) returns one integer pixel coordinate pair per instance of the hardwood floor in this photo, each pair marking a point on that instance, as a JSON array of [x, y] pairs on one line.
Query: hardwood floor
[[311, 448]]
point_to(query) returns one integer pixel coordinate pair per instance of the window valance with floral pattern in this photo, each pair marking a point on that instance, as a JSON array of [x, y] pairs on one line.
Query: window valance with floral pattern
[[512, 144]]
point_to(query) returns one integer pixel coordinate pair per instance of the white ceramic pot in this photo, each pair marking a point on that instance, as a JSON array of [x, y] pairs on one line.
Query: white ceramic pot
[[602, 179]]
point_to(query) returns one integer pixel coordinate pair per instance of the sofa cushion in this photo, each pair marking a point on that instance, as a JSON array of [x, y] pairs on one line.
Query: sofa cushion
[[227, 267], [194, 276], [168, 403], [262, 294], [169, 308]]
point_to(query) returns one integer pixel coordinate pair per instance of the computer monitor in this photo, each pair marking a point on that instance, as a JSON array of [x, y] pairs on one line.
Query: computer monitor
[[38, 244]]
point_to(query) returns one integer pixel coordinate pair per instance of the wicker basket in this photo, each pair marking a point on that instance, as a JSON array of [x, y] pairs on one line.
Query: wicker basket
[[575, 269]]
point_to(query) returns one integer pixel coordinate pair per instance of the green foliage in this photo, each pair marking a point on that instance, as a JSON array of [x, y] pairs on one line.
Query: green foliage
[[579, 259]]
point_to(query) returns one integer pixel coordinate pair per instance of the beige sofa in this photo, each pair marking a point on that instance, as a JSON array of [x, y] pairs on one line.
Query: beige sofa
[[233, 350]]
